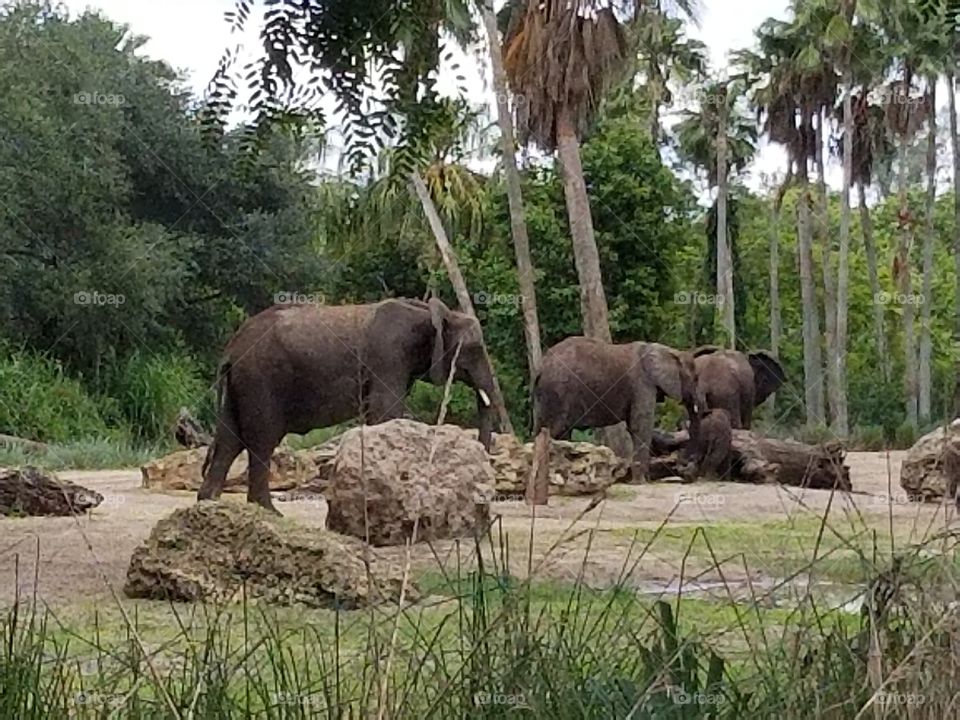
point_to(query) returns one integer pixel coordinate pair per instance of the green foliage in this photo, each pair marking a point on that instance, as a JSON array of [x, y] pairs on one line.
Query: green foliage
[[151, 389], [39, 402]]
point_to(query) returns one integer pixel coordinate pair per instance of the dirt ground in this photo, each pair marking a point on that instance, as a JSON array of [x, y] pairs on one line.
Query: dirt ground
[[83, 560]]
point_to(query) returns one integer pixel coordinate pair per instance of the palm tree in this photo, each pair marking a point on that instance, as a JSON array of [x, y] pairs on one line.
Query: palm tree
[[715, 138], [666, 56], [518, 223], [560, 58], [789, 90]]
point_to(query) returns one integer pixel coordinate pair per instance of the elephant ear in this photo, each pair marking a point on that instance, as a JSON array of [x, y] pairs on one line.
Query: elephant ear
[[438, 318], [706, 350], [768, 374], [662, 367]]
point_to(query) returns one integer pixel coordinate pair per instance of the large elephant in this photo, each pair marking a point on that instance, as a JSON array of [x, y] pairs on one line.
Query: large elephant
[[735, 381], [585, 383], [296, 367]]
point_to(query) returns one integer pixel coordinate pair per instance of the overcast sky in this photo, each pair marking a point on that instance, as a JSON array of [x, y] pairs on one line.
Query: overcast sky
[[191, 35]]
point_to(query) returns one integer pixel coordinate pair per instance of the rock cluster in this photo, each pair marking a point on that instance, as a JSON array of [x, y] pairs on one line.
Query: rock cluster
[[31, 491]]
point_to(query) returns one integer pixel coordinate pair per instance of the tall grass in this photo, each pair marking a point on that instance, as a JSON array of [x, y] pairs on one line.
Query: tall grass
[[486, 644]]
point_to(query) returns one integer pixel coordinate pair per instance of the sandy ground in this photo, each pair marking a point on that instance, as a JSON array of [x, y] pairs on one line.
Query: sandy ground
[[83, 560]]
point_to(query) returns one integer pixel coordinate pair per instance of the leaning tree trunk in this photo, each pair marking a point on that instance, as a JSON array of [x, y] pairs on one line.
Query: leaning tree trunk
[[870, 249], [843, 263], [834, 388], [460, 288], [518, 223], [955, 147], [904, 288], [724, 260], [774, 292], [926, 342], [812, 366], [593, 301]]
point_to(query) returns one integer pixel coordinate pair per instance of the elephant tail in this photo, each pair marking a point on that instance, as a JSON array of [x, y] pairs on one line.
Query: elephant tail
[[227, 421]]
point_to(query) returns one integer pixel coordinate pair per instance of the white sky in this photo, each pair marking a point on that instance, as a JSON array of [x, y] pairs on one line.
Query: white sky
[[191, 35]]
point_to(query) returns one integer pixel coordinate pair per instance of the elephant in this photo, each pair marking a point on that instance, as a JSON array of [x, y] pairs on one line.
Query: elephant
[[585, 383], [296, 367], [712, 448], [736, 381]]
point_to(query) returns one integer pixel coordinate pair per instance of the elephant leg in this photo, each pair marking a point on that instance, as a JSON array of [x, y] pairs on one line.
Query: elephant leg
[[385, 400], [220, 456], [258, 476], [642, 412]]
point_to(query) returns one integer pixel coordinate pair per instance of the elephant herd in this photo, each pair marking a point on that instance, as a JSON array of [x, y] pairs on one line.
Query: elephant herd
[[296, 367]]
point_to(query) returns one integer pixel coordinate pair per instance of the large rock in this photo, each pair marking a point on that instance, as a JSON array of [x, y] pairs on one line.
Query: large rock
[[217, 551], [391, 478], [181, 470], [31, 491], [576, 468], [931, 469]]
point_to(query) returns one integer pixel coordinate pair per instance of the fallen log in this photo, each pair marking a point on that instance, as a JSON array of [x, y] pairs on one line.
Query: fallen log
[[758, 459], [12, 441], [30, 491]]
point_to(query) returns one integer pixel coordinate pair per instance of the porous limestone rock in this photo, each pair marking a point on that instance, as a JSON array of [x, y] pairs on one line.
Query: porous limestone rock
[[403, 480], [931, 469], [219, 551]]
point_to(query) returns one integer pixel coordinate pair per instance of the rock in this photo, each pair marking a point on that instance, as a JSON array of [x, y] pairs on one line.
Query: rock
[[217, 551], [392, 477], [931, 469], [181, 470], [576, 468], [30, 491]]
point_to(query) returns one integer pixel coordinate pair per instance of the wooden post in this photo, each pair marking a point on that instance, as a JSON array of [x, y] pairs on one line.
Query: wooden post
[[538, 484]]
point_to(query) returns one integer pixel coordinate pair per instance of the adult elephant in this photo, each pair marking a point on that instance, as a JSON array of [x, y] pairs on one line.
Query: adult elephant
[[585, 383], [296, 367], [735, 381]]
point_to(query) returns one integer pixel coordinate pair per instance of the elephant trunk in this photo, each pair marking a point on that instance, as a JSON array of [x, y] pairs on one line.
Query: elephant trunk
[[481, 379]]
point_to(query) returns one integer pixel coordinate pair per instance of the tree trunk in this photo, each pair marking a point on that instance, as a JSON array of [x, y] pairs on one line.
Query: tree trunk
[[774, 293], [842, 427], [593, 301], [926, 343], [870, 249], [812, 365], [829, 283], [904, 288], [459, 287], [955, 146], [518, 223], [724, 260]]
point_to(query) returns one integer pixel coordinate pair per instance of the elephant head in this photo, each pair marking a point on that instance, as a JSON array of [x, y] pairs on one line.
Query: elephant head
[[768, 374], [456, 329], [674, 374]]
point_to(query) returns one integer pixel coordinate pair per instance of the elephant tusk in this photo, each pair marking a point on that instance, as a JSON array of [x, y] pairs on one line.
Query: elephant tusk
[[484, 398]]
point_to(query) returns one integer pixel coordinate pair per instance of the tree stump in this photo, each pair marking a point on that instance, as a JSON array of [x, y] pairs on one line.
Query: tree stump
[[30, 491], [758, 459], [189, 432]]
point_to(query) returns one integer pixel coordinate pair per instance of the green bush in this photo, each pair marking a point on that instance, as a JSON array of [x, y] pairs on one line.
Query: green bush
[[151, 389], [38, 401], [869, 438]]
